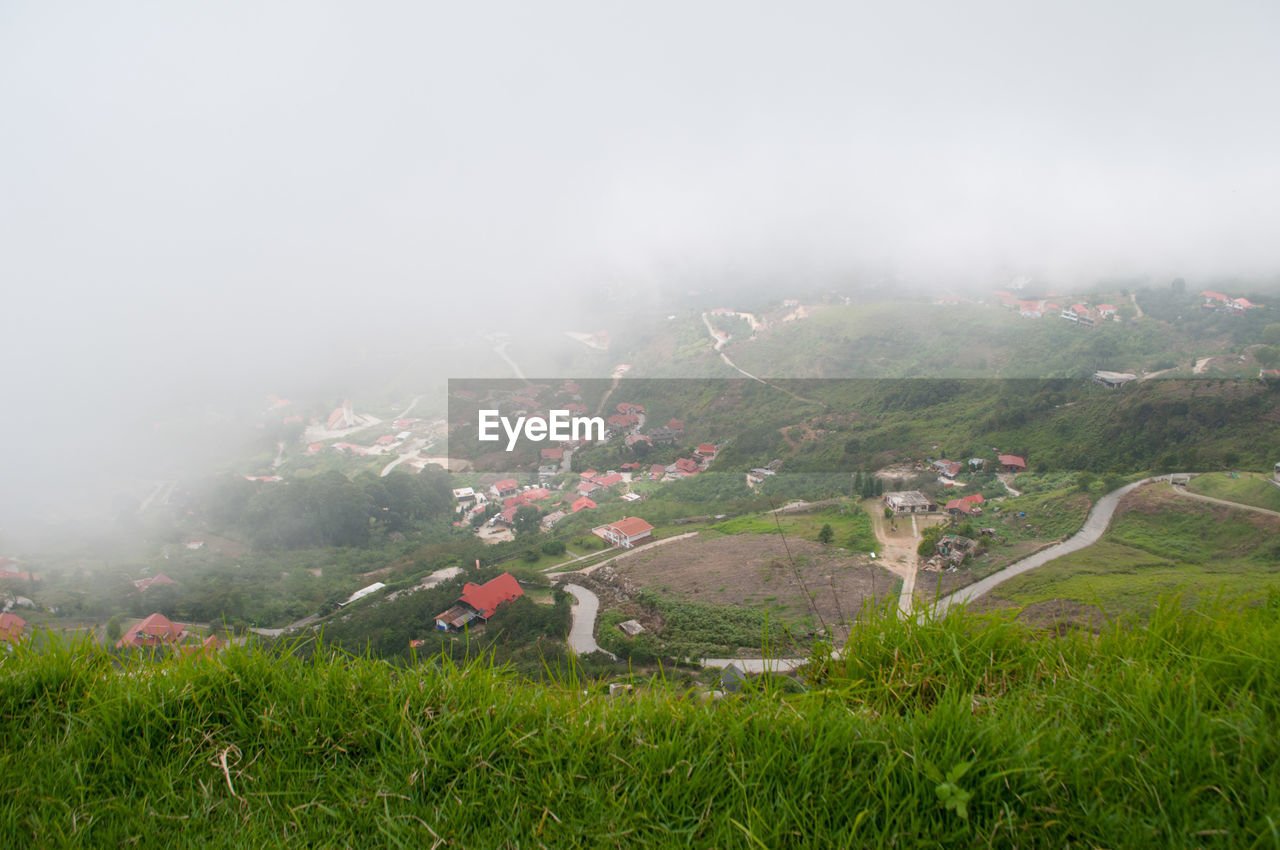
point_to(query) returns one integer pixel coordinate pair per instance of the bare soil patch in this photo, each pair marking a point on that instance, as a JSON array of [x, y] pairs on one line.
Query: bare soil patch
[[753, 570]]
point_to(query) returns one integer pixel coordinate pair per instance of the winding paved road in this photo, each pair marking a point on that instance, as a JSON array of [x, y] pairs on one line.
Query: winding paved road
[[1094, 526], [582, 638]]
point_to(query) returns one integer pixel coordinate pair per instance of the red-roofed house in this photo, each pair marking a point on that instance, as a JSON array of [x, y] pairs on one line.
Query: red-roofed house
[[657, 470], [582, 504], [628, 407], [11, 626], [1106, 310], [585, 487], [630, 466], [479, 602], [1013, 463], [974, 498], [160, 579], [706, 449], [687, 465], [156, 630], [386, 440], [1241, 304], [1209, 296], [675, 425], [589, 475], [609, 480], [505, 487], [315, 448], [20, 575], [626, 532], [553, 454], [959, 506]]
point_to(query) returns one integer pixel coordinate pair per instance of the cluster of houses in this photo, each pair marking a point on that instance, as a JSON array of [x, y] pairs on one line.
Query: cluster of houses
[[1080, 314], [949, 470], [1225, 303]]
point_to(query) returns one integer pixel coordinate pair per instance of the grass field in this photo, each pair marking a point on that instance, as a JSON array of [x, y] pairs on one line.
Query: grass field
[[1159, 544], [850, 525], [964, 732], [1248, 488]]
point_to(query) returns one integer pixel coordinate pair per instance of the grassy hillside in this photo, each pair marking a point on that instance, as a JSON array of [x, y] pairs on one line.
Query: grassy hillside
[[1243, 487], [963, 732], [1159, 543]]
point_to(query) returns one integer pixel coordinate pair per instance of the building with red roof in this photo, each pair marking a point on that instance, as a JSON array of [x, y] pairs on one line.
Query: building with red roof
[[626, 532], [479, 602], [505, 487], [11, 626], [582, 504], [959, 506], [657, 470], [687, 465], [553, 454], [628, 407], [159, 579], [706, 449], [675, 425], [609, 480], [1013, 463], [20, 575], [155, 630]]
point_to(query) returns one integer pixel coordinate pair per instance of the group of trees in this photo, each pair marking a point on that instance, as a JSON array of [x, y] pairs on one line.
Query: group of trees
[[328, 509]]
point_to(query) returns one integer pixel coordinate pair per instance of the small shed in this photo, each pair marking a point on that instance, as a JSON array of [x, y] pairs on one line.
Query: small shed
[[631, 628]]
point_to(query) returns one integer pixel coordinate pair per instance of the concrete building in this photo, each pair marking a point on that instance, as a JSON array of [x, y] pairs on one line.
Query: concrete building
[[909, 502]]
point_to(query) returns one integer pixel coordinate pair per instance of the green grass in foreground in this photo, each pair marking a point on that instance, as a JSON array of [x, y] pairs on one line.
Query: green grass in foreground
[[967, 732], [1248, 488]]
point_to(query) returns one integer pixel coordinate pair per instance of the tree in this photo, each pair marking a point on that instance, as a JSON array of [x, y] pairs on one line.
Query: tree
[[114, 630], [526, 519], [826, 534]]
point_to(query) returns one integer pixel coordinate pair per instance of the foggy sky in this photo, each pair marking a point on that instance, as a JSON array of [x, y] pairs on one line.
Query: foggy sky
[[189, 193]]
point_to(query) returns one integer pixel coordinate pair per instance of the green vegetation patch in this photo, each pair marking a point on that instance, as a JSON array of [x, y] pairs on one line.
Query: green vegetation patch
[[850, 526], [693, 630], [1160, 544], [1245, 487], [965, 732]]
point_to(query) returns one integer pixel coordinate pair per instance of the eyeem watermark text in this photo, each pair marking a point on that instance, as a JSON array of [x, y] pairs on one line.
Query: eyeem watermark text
[[558, 426]]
